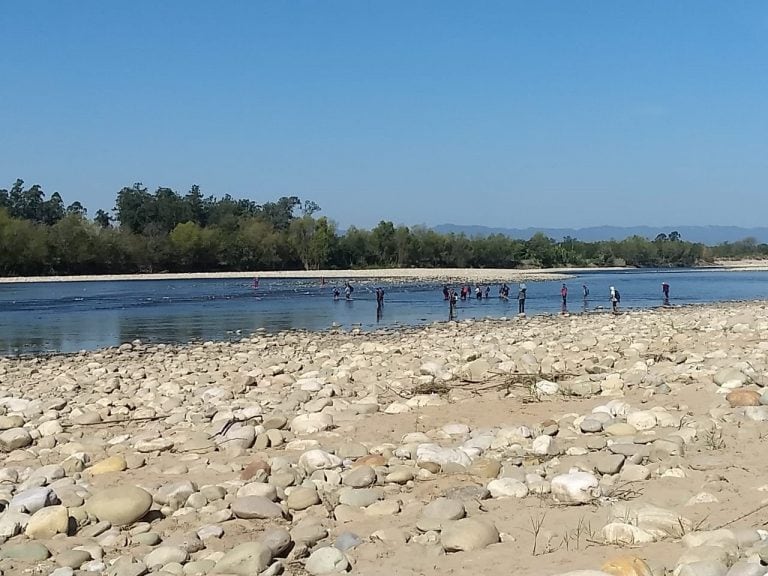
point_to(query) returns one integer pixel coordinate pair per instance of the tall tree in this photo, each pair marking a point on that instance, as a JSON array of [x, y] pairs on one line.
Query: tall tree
[[135, 208], [103, 219]]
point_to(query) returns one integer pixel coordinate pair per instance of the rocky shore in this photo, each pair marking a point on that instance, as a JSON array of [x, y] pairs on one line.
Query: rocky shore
[[591, 445]]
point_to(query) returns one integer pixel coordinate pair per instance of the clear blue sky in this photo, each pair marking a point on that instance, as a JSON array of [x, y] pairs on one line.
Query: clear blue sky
[[537, 113]]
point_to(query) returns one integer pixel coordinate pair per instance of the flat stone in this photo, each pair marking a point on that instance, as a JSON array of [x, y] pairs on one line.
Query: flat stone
[[400, 475], [33, 499], [146, 539], [351, 450], [111, 464], [359, 497], [250, 507], [8, 422], [590, 426], [620, 429], [73, 558], [163, 555], [247, 559], [25, 552]]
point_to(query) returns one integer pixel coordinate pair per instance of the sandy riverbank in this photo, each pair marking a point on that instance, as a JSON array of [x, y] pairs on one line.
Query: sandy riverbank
[[426, 274], [419, 451], [754, 265], [423, 274]]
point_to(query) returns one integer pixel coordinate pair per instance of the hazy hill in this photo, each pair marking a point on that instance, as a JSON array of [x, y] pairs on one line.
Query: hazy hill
[[704, 234]]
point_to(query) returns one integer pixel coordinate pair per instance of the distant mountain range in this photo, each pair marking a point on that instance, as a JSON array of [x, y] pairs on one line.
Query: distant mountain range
[[705, 234]]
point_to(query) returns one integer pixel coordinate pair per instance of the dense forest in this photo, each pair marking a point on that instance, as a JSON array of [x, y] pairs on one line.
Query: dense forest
[[168, 231]]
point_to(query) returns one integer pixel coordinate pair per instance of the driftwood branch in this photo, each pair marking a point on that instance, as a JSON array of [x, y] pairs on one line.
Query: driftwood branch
[[122, 421]]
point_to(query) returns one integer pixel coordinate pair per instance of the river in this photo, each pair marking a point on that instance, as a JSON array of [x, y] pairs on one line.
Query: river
[[73, 316]]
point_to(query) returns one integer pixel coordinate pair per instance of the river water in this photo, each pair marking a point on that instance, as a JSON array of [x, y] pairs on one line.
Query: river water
[[72, 316]]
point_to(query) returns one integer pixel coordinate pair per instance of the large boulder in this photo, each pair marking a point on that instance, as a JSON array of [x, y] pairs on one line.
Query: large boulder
[[121, 506]]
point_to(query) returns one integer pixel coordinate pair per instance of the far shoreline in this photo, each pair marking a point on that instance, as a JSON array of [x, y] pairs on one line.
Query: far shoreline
[[424, 274], [427, 274]]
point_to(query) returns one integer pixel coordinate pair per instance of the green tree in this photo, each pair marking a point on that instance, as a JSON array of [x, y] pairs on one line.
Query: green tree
[[23, 247], [72, 245], [135, 208], [194, 247], [383, 243], [170, 209], [53, 209], [76, 209], [281, 213], [354, 249], [103, 219], [256, 245]]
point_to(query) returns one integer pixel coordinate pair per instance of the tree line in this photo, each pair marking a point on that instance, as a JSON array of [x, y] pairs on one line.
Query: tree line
[[168, 231]]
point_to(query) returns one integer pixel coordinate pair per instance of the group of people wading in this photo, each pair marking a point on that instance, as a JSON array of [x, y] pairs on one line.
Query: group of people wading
[[483, 292], [450, 295]]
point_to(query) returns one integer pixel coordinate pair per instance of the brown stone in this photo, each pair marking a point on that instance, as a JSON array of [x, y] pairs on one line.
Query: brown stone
[[371, 460], [627, 566], [740, 397], [253, 468]]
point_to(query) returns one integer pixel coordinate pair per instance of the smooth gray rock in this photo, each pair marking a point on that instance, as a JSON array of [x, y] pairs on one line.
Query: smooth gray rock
[[34, 499], [72, 558], [278, 540], [25, 552], [438, 512], [163, 555], [246, 559], [249, 507], [609, 463], [360, 477], [591, 426], [359, 497]]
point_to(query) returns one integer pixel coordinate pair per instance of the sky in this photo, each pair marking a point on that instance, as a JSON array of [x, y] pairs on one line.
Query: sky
[[498, 113]]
